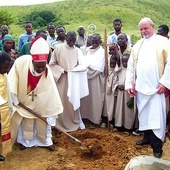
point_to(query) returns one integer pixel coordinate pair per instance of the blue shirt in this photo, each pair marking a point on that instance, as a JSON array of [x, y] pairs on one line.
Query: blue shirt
[[23, 38]]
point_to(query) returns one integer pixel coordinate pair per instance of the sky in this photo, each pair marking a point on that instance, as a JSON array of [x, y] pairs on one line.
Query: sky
[[24, 2]]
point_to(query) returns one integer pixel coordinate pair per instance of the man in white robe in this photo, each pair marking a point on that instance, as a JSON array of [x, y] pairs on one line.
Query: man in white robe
[[32, 84], [92, 105], [148, 78], [65, 58]]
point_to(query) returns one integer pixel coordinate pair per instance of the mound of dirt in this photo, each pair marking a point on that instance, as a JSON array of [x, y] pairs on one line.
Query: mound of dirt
[[100, 150]]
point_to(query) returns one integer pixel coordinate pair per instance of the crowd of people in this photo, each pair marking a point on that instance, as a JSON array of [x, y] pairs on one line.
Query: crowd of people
[[58, 78]]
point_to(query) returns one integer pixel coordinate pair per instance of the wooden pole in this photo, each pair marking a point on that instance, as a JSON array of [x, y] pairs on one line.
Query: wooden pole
[[43, 119], [106, 53], [106, 65]]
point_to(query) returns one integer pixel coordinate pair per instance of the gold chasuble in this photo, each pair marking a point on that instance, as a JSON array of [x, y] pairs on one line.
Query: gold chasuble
[[38, 92], [5, 116]]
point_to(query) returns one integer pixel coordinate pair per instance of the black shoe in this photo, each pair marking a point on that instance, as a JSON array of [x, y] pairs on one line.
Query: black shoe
[[158, 154], [2, 158], [142, 142], [22, 147]]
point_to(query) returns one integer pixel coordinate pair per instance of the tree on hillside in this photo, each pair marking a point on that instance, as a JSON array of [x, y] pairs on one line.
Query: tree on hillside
[[6, 18], [40, 18]]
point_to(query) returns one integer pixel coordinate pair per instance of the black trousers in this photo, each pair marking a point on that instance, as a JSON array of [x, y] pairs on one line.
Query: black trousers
[[154, 141]]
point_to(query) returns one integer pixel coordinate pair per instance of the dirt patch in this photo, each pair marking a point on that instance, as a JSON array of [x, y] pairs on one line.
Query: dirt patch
[[100, 150]]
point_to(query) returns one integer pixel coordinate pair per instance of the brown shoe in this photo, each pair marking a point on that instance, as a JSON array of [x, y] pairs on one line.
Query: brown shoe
[[51, 147], [22, 147]]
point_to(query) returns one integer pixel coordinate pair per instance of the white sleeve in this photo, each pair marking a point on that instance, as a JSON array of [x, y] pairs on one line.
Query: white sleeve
[[51, 121], [129, 41], [109, 39], [129, 82], [81, 57], [14, 99]]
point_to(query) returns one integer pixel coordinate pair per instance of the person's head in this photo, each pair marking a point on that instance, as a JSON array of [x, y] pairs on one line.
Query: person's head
[[96, 40], [28, 27], [42, 34], [163, 30], [112, 49], [122, 40], [117, 24], [39, 50], [39, 66], [5, 62], [8, 42], [89, 40], [30, 38], [146, 27], [71, 38], [4, 30], [113, 61], [125, 58], [51, 29], [61, 32], [81, 31]]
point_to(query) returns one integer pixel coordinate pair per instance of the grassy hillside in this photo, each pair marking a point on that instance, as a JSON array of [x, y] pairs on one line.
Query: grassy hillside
[[99, 12]]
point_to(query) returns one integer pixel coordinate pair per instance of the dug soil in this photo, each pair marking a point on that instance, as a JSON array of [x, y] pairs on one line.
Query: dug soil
[[100, 150]]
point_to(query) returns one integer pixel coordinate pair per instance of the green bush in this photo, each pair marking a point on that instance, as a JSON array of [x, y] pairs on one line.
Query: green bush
[[40, 18]]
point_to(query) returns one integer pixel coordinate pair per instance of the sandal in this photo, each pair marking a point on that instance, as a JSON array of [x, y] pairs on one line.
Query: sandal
[[126, 134]]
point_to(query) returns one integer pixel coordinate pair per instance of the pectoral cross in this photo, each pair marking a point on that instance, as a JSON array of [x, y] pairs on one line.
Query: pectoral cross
[[32, 95]]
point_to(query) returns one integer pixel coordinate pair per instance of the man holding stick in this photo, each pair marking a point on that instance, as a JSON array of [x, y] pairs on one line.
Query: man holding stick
[[32, 84]]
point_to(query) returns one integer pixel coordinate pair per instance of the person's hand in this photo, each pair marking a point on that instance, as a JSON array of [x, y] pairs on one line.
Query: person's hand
[[132, 92], [162, 89], [121, 87]]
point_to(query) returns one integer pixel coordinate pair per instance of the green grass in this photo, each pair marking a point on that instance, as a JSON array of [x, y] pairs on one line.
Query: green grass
[[99, 12]]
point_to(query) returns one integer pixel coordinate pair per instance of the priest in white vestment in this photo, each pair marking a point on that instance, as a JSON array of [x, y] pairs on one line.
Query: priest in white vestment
[[148, 78], [32, 84]]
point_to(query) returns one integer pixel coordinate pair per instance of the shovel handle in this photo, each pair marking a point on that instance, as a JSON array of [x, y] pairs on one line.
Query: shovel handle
[[43, 119]]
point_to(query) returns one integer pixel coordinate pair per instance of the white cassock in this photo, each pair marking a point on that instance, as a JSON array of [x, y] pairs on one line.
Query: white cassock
[[151, 106]]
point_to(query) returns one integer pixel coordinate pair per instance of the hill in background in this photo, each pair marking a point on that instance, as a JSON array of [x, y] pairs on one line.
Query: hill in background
[[73, 13]]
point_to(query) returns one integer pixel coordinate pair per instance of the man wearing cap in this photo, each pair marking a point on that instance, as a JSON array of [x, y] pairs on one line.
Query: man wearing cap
[[32, 84], [7, 44]]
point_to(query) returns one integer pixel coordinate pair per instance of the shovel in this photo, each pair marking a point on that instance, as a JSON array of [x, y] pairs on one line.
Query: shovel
[[43, 119]]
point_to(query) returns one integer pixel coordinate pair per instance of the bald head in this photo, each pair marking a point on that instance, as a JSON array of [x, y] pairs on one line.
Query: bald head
[[146, 27]]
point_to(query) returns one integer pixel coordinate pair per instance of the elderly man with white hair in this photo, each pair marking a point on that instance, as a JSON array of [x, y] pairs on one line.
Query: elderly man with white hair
[[148, 79]]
